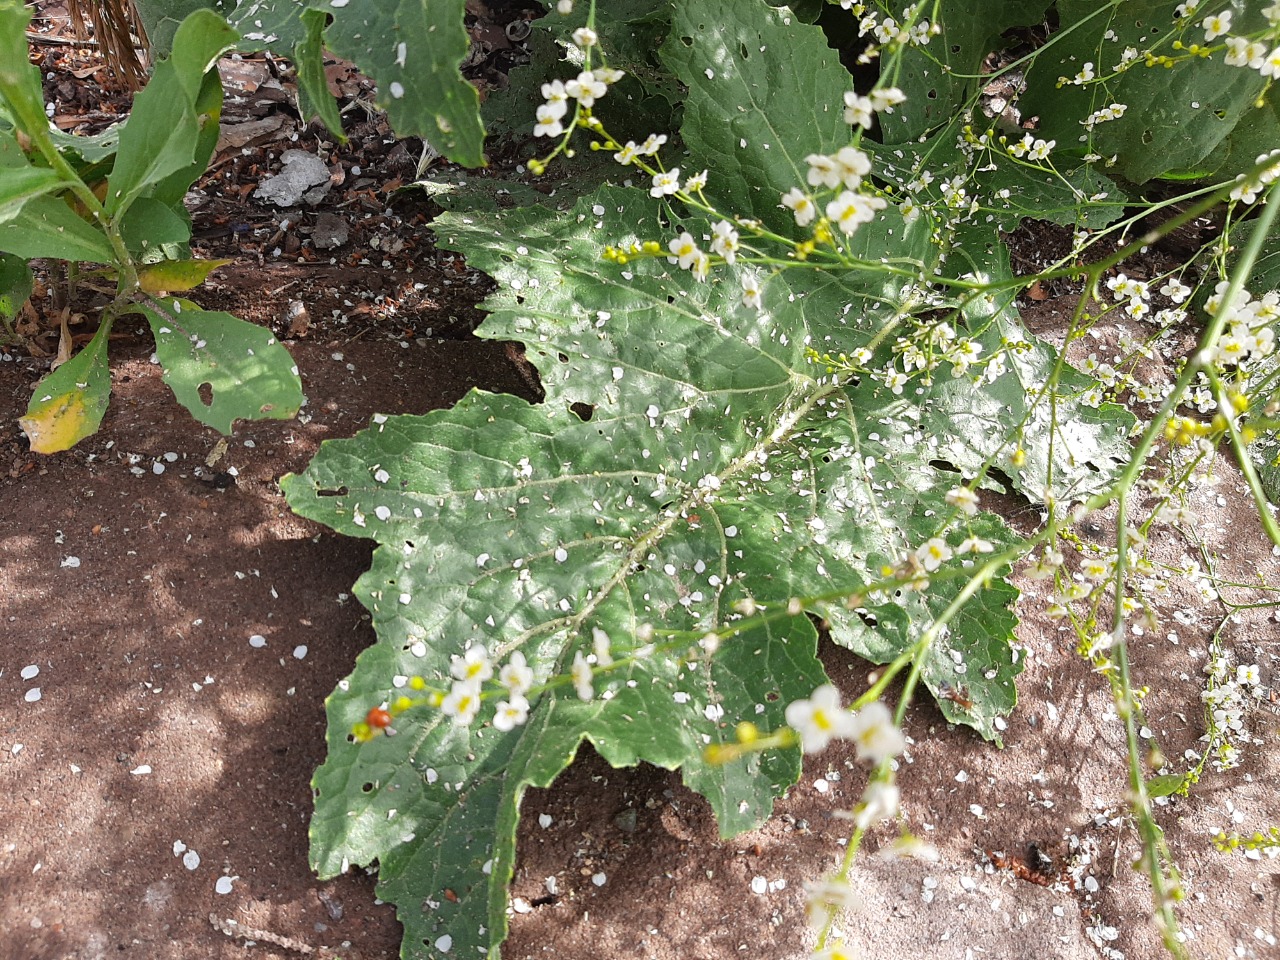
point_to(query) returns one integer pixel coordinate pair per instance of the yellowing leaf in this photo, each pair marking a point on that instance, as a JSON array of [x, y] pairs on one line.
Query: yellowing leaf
[[173, 275], [69, 403]]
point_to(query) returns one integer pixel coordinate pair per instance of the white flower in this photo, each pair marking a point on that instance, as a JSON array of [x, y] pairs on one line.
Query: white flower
[[1271, 65], [684, 250], [1216, 25], [549, 124], [801, 204], [822, 171], [701, 266], [516, 675], [724, 240], [473, 666], [858, 110], [876, 735], [879, 802], [1187, 9], [965, 499], [607, 75], [463, 702], [975, 545], [886, 98], [851, 165], [850, 210], [585, 88], [564, 7], [696, 182], [1272, 13], [933, 553], [1040, 149], [585, 37], [1176, 290], [652, 144], [819, 719], [665, 183], [1243, 52], [600, 647], [751, 291], [627, 154], [554, 92], [580, 672], [511, 713]]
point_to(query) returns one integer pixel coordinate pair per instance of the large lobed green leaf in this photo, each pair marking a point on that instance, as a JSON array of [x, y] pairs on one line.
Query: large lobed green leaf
[[688, 457]]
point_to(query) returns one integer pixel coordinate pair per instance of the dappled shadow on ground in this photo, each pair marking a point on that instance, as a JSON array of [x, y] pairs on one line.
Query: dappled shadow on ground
[[160, 731]]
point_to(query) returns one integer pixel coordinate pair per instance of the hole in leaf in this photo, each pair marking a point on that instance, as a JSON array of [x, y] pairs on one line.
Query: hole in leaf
[[205, 391], [1147, 136], [932, 94], [944, 466], [773, 696], [583, 411], [340, 492], [367, 788], [867, 617], [687, 41], [562, 358], [955, 48], [744, 52]]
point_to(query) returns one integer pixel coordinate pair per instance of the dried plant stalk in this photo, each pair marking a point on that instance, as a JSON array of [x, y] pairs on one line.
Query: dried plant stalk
[[119, 34]]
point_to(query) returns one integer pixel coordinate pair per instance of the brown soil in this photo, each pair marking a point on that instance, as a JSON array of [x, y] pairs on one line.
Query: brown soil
[[136, 568]]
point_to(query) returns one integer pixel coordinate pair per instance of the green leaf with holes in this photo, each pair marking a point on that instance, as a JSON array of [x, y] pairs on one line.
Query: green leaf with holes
[[691, 471], [412, 50], [222, 368], [942, 77], [1179, 120]]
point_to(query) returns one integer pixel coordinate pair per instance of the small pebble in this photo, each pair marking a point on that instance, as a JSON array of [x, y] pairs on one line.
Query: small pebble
[[223, 885], [191, 859], [32, 695], [257, 640], [141, 770], [300, 651], [30, 672]]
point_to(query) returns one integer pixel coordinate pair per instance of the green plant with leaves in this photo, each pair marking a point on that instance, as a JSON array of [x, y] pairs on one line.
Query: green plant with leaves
[[783, 368], [115, 201]]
